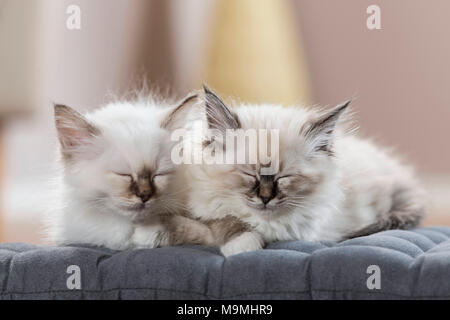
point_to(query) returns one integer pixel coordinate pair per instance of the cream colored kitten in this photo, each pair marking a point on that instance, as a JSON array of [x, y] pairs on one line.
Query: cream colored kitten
[[117, 185], [331, 185]]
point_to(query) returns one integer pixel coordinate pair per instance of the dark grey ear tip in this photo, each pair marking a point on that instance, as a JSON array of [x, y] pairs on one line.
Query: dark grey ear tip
[[341, 107], [210, 96], [207, 90], [345, 104], [60, 108]]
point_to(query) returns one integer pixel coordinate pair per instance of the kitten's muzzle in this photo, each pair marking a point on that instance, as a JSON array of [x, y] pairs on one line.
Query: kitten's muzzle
[[143, 188], [145, 196], [267, 189]]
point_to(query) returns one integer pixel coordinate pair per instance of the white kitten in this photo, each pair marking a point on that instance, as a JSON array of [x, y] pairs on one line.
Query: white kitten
[[117, 185], [330, 185]]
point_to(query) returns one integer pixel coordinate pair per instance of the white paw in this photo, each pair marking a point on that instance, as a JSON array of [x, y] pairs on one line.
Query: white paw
[[248, 241], [148, 236]]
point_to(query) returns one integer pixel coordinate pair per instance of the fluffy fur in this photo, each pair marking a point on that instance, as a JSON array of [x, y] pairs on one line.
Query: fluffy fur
[[331, 185], [117, 188]]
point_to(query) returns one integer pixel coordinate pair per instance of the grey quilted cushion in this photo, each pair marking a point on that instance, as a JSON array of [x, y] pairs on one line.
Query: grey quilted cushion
[[412, 264]]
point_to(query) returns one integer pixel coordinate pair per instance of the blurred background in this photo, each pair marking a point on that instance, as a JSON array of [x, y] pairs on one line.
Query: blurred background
[[280, 51]]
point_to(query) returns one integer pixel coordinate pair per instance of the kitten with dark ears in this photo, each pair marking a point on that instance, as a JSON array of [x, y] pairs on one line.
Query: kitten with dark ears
[[331, 185], [118, 186]]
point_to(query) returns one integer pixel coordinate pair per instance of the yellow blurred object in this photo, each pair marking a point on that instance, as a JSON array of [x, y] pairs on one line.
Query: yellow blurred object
[[255, 53]]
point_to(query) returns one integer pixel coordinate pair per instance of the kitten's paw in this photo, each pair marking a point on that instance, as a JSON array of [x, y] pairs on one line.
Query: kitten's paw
[[248, 241], [149, 236], [185, 230]]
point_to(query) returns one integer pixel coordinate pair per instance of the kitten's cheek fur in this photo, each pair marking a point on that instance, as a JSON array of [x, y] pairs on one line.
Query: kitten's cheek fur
[[247, 241]]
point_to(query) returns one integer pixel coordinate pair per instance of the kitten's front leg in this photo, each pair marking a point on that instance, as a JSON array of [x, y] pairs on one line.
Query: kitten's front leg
[[149, 236], [183, 230], [246, 241]]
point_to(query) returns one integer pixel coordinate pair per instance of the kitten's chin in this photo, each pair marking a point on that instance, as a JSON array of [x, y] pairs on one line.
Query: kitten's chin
[[269, 210], [135, 208], [136, 212], [264, 210]]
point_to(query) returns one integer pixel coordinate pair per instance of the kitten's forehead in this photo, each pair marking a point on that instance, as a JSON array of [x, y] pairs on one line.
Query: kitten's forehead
[[288, 121], [134, 154], [134, 135]]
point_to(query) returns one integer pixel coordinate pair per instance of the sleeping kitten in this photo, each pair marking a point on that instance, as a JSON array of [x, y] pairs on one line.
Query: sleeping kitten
[[331, 185], [117, 187]]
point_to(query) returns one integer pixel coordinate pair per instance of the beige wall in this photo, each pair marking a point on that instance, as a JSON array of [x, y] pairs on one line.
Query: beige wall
[[399, 74], [18, 45]]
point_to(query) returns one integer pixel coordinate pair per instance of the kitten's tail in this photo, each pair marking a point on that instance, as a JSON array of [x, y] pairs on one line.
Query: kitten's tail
[[406, 212]]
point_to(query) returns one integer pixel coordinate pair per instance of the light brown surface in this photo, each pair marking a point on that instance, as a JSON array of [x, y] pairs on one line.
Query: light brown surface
[[2, 222], [436, 220], [23, 231]]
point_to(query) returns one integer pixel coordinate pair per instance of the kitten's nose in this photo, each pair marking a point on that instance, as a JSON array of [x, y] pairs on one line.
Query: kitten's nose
[[266, 190], [145, 196], [265, 200], [143, 189]]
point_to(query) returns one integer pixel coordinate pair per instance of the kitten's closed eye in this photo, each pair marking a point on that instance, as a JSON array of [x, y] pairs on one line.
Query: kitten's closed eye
[[163, 173], [161, 180], [284, 177], [125, 175], [249, 178], [249, 174], [119, 177]]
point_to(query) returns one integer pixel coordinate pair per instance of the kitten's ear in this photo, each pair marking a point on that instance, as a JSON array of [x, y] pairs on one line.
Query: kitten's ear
[[178, 117], [218, 115], [321, 130], [73, 129]]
